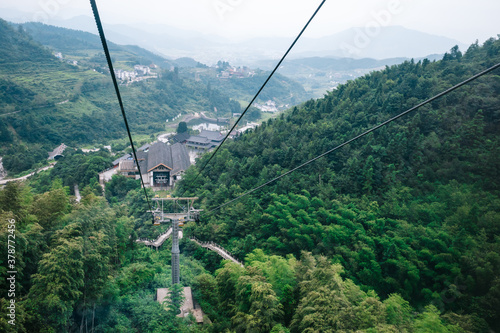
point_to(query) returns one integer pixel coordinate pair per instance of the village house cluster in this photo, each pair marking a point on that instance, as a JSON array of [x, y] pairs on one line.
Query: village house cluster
[[59, 56], [269, 106], [236, 72], [139, 73]]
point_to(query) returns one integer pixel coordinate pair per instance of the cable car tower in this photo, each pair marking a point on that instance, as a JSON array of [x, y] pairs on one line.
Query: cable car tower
[[177, 220]]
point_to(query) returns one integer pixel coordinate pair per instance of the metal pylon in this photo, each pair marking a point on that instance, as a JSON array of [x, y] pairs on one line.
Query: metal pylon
[[175, 251], [160, 216]]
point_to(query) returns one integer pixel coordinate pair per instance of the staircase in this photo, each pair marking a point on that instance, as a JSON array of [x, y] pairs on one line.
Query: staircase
[[216, 248]]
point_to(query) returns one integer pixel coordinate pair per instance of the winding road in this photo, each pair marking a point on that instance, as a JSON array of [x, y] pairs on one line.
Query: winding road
[[5, 181]]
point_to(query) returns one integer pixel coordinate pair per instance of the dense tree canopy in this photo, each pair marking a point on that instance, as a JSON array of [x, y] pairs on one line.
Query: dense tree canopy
[[410, 210]]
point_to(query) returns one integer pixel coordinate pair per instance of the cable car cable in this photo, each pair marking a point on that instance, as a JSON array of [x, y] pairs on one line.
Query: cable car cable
[[472, 78], [257, 94], [115, 83]]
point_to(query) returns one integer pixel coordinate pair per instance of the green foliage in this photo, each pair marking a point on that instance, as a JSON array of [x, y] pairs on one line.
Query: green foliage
[[175, 300], [399, 311], [182, 128], [135, 276], [16, 199], [119, 186], [147, 315], [49, 207], [227, 279], [56, 286], [78, 168], [429, 321], [253, 114], [264, 310], [327, 303], [20, 157]]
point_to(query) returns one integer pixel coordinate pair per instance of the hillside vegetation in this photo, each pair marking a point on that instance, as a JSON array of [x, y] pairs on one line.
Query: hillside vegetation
[[83, 45], [412, 210]]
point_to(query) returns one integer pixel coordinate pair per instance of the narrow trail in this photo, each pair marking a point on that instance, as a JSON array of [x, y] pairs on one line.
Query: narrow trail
[[77, 193]]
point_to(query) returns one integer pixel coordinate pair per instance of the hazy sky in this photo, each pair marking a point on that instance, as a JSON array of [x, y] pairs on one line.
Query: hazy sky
[[463, 20]]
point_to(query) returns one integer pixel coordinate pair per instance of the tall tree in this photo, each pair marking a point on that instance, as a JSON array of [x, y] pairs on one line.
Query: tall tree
[[57, 285], [182, 127]]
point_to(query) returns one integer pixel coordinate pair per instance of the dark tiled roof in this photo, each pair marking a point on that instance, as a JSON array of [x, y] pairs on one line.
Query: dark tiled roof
[[201, 140], [180, 158], [127, 165], [212, 135], [174, 157], [159, 153], [181, 137], [142, 156], [124, 157]]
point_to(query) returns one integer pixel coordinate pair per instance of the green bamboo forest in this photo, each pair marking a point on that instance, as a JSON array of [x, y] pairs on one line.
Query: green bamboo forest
[[398, 231]]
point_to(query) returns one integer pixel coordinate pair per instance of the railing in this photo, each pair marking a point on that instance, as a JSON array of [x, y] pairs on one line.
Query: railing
[[158, 241], [209, 245], [217, 248]]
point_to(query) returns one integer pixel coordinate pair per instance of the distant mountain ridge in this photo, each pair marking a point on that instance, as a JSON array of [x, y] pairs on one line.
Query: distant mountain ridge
[[76, 41], [389, 42], [68, 40], [332, 63]]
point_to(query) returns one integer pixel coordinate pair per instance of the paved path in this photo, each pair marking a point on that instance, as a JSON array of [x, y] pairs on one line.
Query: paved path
[[106, 176], [5, 114], [164, 137], [5, 181], [186, 118], [2, 171], [77, 193]]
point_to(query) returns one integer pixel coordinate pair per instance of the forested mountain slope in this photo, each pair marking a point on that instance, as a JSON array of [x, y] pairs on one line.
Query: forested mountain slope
[[412, 209], [81, 43]]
